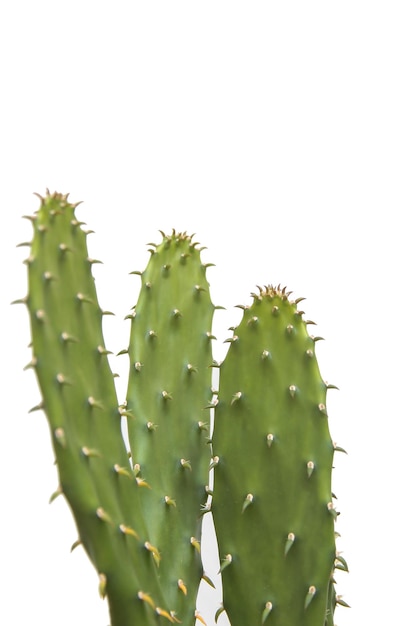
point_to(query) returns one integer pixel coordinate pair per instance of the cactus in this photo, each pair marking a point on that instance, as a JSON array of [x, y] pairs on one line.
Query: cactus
[[79, 400], [138, 495], [272, 505], [169, 388]]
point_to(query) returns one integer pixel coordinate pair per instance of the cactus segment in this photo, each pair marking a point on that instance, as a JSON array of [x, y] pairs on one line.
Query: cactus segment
[[169, 386], [275, 455], [80, 403]]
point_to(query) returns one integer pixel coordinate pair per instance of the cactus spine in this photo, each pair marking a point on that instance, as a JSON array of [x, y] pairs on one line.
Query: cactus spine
[[138, 511], [272, 503]]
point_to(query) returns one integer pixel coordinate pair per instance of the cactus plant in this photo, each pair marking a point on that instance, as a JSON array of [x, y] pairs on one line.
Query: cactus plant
[[169, 387], [273, 473], [138, 507]]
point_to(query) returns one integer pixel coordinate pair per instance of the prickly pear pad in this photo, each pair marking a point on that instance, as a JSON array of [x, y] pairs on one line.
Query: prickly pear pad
[[272, 502], [168, 424], [80, 403]]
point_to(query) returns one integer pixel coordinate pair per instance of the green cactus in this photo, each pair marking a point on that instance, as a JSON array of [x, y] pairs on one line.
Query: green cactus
[[272, 505], [79, 400], [169, 388], [138, 505]]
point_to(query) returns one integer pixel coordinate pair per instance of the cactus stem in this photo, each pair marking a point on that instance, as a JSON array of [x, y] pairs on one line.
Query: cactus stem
[[181, 586]]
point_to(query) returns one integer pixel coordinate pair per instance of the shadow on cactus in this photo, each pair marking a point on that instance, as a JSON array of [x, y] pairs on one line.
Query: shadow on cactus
[[139, 511]]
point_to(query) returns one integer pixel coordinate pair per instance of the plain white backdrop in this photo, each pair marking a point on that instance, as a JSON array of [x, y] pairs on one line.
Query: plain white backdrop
[[284, 135]]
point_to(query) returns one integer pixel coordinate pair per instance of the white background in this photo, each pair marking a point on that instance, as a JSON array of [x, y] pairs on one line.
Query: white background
[[284, 134]]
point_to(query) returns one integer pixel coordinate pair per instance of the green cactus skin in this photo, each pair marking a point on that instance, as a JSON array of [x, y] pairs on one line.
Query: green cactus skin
[[79, 400], [272, 504], [168, 423]]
